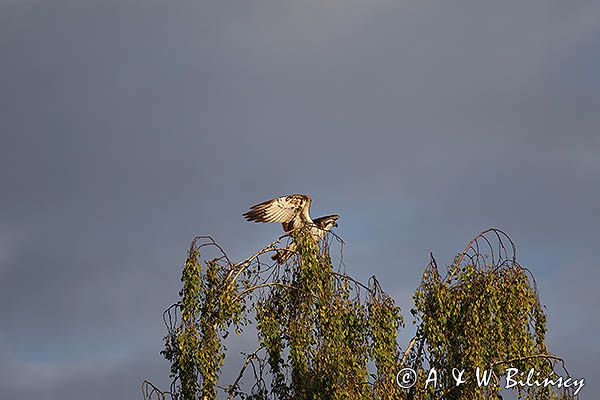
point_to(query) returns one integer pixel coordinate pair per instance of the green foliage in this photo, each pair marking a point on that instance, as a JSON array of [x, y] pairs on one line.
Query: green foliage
[[323, 335], [194, 346], [384, 320], [486, 313], [182, 346], [327, 328]]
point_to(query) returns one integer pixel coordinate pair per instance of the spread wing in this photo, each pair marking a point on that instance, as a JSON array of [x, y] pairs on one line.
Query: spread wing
[[292, 211]]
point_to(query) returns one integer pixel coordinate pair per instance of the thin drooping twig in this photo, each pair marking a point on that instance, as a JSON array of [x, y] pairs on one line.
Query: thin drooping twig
[[545, 356], [210, 243], [235, 384], [263, 285], [474, 245], [150, 392]]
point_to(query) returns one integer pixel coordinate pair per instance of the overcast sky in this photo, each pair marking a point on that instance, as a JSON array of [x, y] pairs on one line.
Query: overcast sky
[[127, 127]]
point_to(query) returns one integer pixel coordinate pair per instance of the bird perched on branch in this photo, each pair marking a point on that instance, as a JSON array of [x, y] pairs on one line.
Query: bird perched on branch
[[293, 212]]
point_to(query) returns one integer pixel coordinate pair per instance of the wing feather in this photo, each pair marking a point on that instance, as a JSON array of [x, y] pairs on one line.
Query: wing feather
[[294, 209]]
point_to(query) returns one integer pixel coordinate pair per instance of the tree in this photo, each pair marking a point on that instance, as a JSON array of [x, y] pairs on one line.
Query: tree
[[323, 335]]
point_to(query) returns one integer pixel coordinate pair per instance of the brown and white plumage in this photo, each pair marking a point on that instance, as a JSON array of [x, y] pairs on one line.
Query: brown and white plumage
[[293, 212], [318, 230]]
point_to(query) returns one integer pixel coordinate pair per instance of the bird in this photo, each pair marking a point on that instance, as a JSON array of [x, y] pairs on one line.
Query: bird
[[293, 212]]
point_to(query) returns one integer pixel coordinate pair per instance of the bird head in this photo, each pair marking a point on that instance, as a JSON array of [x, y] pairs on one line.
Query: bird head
[[327, 222]]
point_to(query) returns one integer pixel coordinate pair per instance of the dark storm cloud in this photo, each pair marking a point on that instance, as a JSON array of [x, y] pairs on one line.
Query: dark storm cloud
[[129, 127]]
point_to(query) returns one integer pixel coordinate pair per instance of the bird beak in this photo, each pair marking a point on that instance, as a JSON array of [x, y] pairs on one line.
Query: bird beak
[[335, 224]]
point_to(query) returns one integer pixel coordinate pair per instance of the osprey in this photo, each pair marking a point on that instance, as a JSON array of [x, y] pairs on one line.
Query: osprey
[[293, 212]]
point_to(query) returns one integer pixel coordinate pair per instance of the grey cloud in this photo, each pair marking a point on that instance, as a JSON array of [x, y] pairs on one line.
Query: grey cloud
[[128, 128]]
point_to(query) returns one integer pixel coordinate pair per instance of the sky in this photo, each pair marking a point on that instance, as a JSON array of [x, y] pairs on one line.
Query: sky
[[128, 127]]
